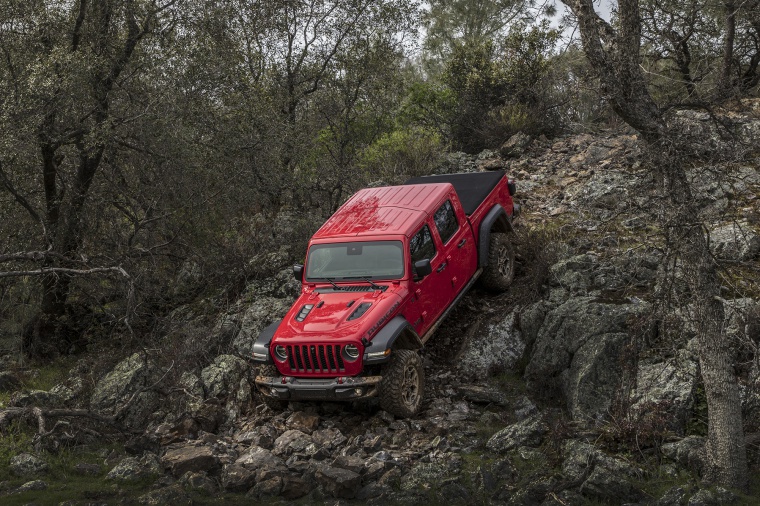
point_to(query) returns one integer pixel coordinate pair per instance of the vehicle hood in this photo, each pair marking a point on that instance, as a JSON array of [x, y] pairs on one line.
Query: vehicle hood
[[330, 316]]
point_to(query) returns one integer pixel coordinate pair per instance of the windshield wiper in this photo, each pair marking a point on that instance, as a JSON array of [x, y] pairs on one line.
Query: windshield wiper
[[333, 284], [373, 285]]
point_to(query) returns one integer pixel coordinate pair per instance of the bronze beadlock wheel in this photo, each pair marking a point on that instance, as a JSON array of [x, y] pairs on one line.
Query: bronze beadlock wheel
[[500, 271], [403, 384]]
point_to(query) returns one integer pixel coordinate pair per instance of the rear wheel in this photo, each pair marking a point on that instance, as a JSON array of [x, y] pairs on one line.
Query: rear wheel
[[500, 271], [270, 402], [403, 383]]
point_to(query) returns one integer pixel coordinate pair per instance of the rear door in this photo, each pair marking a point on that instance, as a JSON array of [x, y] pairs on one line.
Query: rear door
[[459, 254]]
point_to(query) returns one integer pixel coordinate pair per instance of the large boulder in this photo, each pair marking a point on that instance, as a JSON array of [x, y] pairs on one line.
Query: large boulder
[[131, 375], [182, 459], [222, 377], [576, 355], [736, 241], [496, 349], [27, 465], [670, 386], [603, 478], [259, 315]]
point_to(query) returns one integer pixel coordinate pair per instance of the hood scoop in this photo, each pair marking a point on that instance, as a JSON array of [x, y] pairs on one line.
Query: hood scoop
[[359, 311], [304, 312]]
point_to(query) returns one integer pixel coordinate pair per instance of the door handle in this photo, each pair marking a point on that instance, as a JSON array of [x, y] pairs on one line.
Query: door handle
[[461, 243], [441, 267]]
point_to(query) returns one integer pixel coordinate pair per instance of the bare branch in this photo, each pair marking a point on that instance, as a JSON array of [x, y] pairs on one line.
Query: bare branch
[[65, 271]]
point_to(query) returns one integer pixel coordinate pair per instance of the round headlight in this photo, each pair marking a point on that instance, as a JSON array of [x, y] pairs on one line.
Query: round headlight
[[351, 351], [281, 352]]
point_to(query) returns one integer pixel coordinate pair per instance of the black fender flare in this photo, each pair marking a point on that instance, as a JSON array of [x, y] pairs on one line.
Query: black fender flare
[[388, 337], [496, 220], [261, 345]]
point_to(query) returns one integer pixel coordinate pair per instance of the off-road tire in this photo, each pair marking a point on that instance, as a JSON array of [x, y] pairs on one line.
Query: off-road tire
[[500, 271], [275, 405], [403, 384]]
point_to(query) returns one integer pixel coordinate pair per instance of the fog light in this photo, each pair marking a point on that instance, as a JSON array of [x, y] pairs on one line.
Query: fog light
[[357, 391], [274, 392]]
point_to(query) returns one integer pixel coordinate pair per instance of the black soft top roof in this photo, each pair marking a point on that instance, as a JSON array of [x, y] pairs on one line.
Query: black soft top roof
[[472, 187]]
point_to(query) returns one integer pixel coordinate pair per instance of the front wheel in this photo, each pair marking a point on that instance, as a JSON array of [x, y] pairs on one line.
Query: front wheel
[[500, 271], [403, 383]]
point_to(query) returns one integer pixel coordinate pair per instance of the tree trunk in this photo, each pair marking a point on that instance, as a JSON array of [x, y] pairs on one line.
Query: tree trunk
[[614, 54], [726, 81]]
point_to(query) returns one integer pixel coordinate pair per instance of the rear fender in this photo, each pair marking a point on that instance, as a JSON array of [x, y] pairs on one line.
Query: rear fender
[[397, 334], [261, 346], [495, 221]]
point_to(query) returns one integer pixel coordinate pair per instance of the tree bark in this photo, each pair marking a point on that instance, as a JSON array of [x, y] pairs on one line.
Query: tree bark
[[615, 57]]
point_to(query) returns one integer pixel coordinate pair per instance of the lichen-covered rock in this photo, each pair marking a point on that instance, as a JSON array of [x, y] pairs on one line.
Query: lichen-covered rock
[[223, 376], [669, 385], [27, 465], [129, 376], [185, 459], [173, 494], [736, 241], [39, 398], [604, 478], [495, 350], [528, 432], [34, 485], [260, 314], [688, 452], [576, 356], [135, 468]]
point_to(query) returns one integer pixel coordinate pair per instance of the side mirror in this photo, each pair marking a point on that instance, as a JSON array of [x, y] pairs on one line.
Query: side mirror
[[298, 272], [422, 268]]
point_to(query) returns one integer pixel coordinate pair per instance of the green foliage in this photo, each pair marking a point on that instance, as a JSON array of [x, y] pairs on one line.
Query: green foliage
[[400, 154], [500, 90]]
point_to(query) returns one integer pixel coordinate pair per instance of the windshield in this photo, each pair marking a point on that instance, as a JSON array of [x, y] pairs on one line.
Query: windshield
[[355, 260]]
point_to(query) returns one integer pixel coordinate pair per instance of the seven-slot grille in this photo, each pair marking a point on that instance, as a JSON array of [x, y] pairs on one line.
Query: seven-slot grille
[[315, 358]]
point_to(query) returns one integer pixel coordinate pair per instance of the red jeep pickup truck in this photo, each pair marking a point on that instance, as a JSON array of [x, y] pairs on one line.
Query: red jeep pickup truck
[[380, 276]]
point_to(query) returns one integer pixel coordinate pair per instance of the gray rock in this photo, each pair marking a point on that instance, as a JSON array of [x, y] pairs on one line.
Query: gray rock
[[132, 469], [483, 395], [426, 475], [183, 459], [735, 241], [372, 490], [603, 478], [35, 485], [26, 465], [713, 497], [515, 146], [295, 487], [676, 496], [575, 358], [495, 350], [199, 481], [337, 482], [305, 422], [257, 458], [262, 312], [668, 385], [291, 441], [267, 488], [237, 478], [130, 375], [40, 398], [688, 452], [223, 376], [173, 494], [528, 432]]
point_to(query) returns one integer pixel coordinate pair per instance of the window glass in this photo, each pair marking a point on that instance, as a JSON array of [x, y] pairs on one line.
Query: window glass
[[421, 245], [446, 221], [355, 260]]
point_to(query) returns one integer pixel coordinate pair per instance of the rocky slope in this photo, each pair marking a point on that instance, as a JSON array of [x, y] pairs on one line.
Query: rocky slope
[[557, 392]]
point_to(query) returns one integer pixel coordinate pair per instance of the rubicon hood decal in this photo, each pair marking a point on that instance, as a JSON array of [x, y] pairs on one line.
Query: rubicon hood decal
[[374, 328]]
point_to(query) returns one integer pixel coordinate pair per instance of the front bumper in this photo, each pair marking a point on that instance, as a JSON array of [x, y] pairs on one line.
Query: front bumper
[[318, 389]]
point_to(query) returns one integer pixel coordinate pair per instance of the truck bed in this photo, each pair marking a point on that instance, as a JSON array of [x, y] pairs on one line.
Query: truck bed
[[472, 188]]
